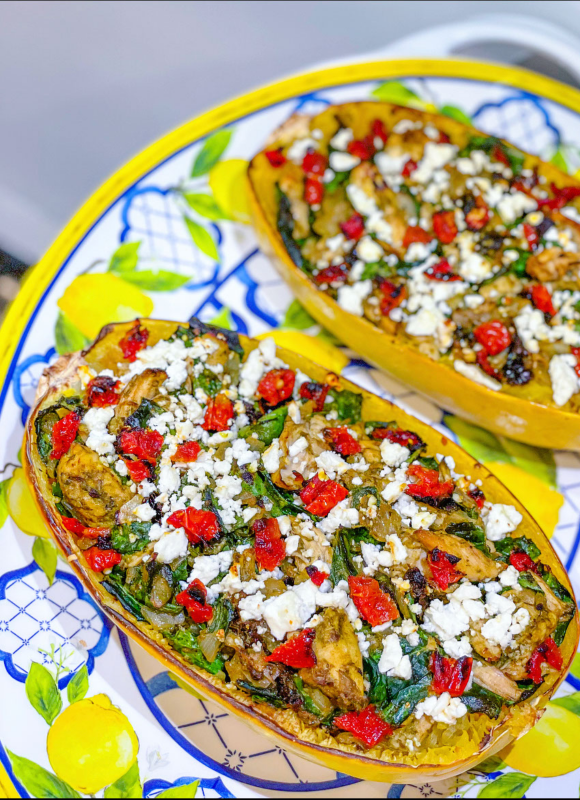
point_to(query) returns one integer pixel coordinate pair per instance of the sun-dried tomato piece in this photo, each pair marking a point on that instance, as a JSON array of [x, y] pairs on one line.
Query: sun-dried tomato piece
[[450, 674], [561, 197], [76, 527], [342, 441], [443, 568], [498, 154], [313, 191], [547, 652], [427, 483], [477, 496], [276, 386], [354, 227], [398, 436], [146, 445], [374, 605], [98, 559], [443, 138], [542, 299], [478, 216], [493, 336], [138, 470], [276, 157], [310, 390], [362, 148], [186, 452], [444, 226], [378, 130], [415, 233], [576, 353], [198, 525], [269, 546], [317, 576], [219, 411], [442, 271], [320, 497], [532, 236], [366, 726], [64, 433], [296, 652], [134, 341], [335, 273], [522, 562], [409, 168], [194, 599], [482, 359], [392, 295], [102, 391], [314, 163]]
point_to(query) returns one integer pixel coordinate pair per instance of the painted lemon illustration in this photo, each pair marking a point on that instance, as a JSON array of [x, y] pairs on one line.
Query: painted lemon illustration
[[91, 744], [549, 749], [228, 182], [92, 301], [312, 347], [22, 507]]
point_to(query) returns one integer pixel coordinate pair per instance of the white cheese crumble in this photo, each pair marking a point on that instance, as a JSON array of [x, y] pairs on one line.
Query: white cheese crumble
[[500, 519], [565, 381], [442, 708], [392, 661], [99, 438], [475, 374], [350, 297]]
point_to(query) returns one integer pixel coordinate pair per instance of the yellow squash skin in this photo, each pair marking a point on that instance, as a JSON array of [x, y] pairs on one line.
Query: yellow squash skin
[[512, 415], [282, 726]]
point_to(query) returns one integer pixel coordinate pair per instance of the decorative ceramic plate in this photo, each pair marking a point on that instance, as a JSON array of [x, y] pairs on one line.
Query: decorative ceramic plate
[[168, 236]]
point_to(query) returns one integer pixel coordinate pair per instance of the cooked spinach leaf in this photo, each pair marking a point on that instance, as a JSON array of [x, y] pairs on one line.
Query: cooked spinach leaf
[[554, 584], [185, 642], [268, 427], [347, 404], [471, 533], [358, 494], [199, 328], [285, 224], [131, 537], [509, 544], [482, 701], [262, 695], [124, 597], [223, 614], [342, 566], [141, 417]]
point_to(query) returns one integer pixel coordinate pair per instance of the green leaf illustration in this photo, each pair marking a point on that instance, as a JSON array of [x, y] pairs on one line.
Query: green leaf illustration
[[4, 501], [211, 152], [67, 337], [456, 113], [512, 784], [125, 258], [493, 764], [205, 206], [202, 238], [42, 691], [45, 555], [129, 785], [38, 781], [156, 281], [486, 446], [223, 319], [297, 317], [559, 160], [571, 702], [396, 92], [78, 685], [189, 790]]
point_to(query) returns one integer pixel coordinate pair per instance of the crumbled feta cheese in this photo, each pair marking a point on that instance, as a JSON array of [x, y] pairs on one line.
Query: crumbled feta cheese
[[169, 479], [299, 148], [510, 577], [340, 516], [442, 708], [271, 457], [341, 139], [474, 373], [435, 156], [360, 200], [368, 250], [393, 454], [172, 544], [500, 519], [99, 438], [343, 162], [251, 607], [515, 205], [565, 382], [207, 568], [457, 648], [350, 297], [392, 661], [423, 520]]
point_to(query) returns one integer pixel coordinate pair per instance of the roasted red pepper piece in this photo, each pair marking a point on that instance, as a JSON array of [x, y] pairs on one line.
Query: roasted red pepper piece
[[314, 163], [186, 452], [493, 336], [76, 527], [478, 497], [478, 217], [442, 271], [310, 390], [378, 130], [276, 386], [562, 197], [275, 157], [64, 433], [576, 353], [98, 559], [362, 148], [102, 391], [316, 575], [397, 435], [296, 652], [522, 562], [336, 273], [320, 497], [313, 191], [548, 652], [366, 726], [194, 599], [443, 568], [198, 525], [139, 442], [354, 227], [134, 341], [483, 361], [409, 168], [269, 546], [443, 138], [532, 236], [371, 602], [415, 233], [138, 470], [219, 411], [450, 674], [391, 296], [427, 483], [342, 441], [444, 226], [498, 154], [542, 299]]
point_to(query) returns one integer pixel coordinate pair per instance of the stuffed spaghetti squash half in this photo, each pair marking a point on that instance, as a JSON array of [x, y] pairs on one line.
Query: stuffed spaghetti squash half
[[301, 551], [447, 257]]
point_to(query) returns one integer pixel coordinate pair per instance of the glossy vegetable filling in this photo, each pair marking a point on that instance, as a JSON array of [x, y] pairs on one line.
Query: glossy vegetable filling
[[313, 560]]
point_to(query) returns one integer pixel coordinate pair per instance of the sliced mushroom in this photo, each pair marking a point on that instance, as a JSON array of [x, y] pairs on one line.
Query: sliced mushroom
[[552, 264], [494, 680], [474, 564], [141, 387]]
